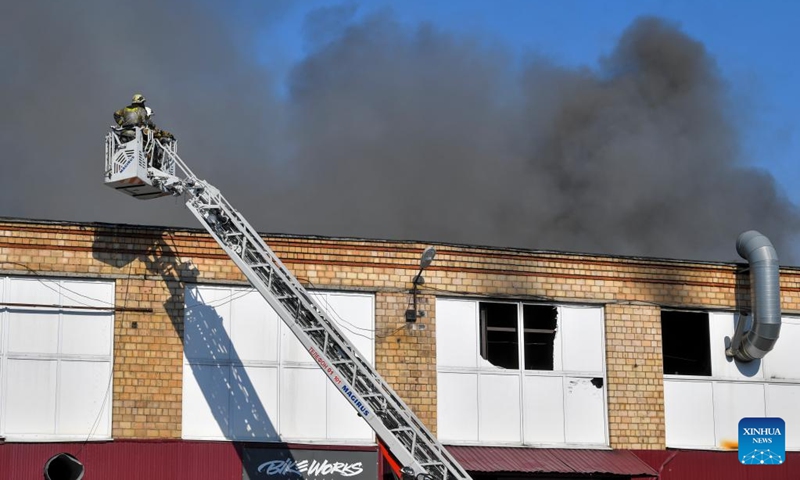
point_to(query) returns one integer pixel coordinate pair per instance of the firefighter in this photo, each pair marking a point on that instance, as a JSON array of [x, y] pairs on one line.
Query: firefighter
[[162, 135], [137, 115], [134, 115]]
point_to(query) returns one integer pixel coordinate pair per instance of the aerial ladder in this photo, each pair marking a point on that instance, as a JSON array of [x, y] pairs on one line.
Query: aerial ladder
[[146, 167]]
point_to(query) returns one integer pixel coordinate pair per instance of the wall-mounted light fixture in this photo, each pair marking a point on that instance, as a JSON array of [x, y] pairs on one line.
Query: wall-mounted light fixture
[[425, 261]]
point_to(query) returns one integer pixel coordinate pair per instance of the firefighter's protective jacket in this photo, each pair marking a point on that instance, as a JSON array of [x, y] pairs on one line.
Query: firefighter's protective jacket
[[133, 116]]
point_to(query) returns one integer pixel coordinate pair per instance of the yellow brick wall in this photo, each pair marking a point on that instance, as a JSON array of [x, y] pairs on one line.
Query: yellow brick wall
[[406, 354], [148, 362], [634, 367], [151, 266]]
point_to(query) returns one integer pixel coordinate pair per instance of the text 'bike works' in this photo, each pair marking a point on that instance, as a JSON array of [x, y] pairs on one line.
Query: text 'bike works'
[[311, 468]]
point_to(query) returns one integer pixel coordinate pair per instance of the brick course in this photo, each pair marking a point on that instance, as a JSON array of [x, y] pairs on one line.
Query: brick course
[[151, 266]]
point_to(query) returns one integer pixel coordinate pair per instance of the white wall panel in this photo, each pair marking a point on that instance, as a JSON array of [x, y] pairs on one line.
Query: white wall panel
[[353, 314], [721, 325], [543, 410], [84, 394], [689, 413], [343, 420], [457, 406], [499, 408], [782, 362], [582, 339], [205, 401], [273, 395], [55, 364], [254, 403], [558, 350], [206, 324], [732, 402], [30, 397], [86, 333], [784, 401], [254, 328], [303, 403], [89, 293], [33, 290], [456, 333], [584, 411], [33, 331], [292, 351]]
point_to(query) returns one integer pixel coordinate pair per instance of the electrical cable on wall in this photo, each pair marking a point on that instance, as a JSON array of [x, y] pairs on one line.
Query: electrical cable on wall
[[40, 274]]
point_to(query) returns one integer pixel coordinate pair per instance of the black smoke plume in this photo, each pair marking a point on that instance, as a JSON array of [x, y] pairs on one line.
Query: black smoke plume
[[389, 131]]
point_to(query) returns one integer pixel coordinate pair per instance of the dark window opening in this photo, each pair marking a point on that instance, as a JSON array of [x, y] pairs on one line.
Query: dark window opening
[[499, 337], [540, 334], [686, 343]]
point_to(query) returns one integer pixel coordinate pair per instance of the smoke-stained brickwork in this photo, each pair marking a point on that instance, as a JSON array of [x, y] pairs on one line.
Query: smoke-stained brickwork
[[151, 267]]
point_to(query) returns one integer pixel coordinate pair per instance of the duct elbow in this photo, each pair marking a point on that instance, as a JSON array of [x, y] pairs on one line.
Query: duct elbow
[[764, 296]]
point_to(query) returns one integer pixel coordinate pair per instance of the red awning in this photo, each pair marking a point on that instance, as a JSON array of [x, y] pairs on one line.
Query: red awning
[[550, 460]]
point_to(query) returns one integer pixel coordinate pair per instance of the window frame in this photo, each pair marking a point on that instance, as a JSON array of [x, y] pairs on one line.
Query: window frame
[[61, 310], [485, 370], [484, 329], [707, 346], [520, 330]]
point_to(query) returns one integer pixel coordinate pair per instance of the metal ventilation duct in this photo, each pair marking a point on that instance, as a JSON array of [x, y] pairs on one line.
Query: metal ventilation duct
[[764, 298]]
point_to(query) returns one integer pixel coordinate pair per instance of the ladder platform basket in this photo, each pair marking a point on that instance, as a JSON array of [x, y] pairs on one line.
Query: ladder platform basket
[[135, 161]]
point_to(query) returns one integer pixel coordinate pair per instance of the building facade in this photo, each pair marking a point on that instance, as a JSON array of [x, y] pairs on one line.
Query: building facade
[[143, 351]]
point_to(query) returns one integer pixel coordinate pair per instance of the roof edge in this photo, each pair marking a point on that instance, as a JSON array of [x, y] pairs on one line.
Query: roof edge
[[407, 242]]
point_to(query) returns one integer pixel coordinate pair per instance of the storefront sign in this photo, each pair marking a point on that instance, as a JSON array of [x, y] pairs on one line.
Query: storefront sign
[[291, 464]]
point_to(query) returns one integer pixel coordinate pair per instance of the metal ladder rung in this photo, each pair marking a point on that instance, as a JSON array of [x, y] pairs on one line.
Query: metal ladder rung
[[260, 265], [313, 329]]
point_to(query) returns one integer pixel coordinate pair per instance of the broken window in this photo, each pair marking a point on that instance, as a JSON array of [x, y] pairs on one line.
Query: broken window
[[500, 327], [499, 337], [540, 335], [686, 343]]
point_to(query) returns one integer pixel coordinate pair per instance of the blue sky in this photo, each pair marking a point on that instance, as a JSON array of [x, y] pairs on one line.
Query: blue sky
[[754, 44]]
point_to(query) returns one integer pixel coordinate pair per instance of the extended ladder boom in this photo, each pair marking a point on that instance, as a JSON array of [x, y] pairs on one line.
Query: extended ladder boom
[[392, 420]]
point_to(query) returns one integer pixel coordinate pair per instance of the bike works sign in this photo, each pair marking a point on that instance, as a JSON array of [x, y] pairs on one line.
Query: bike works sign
[[291, 464]]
